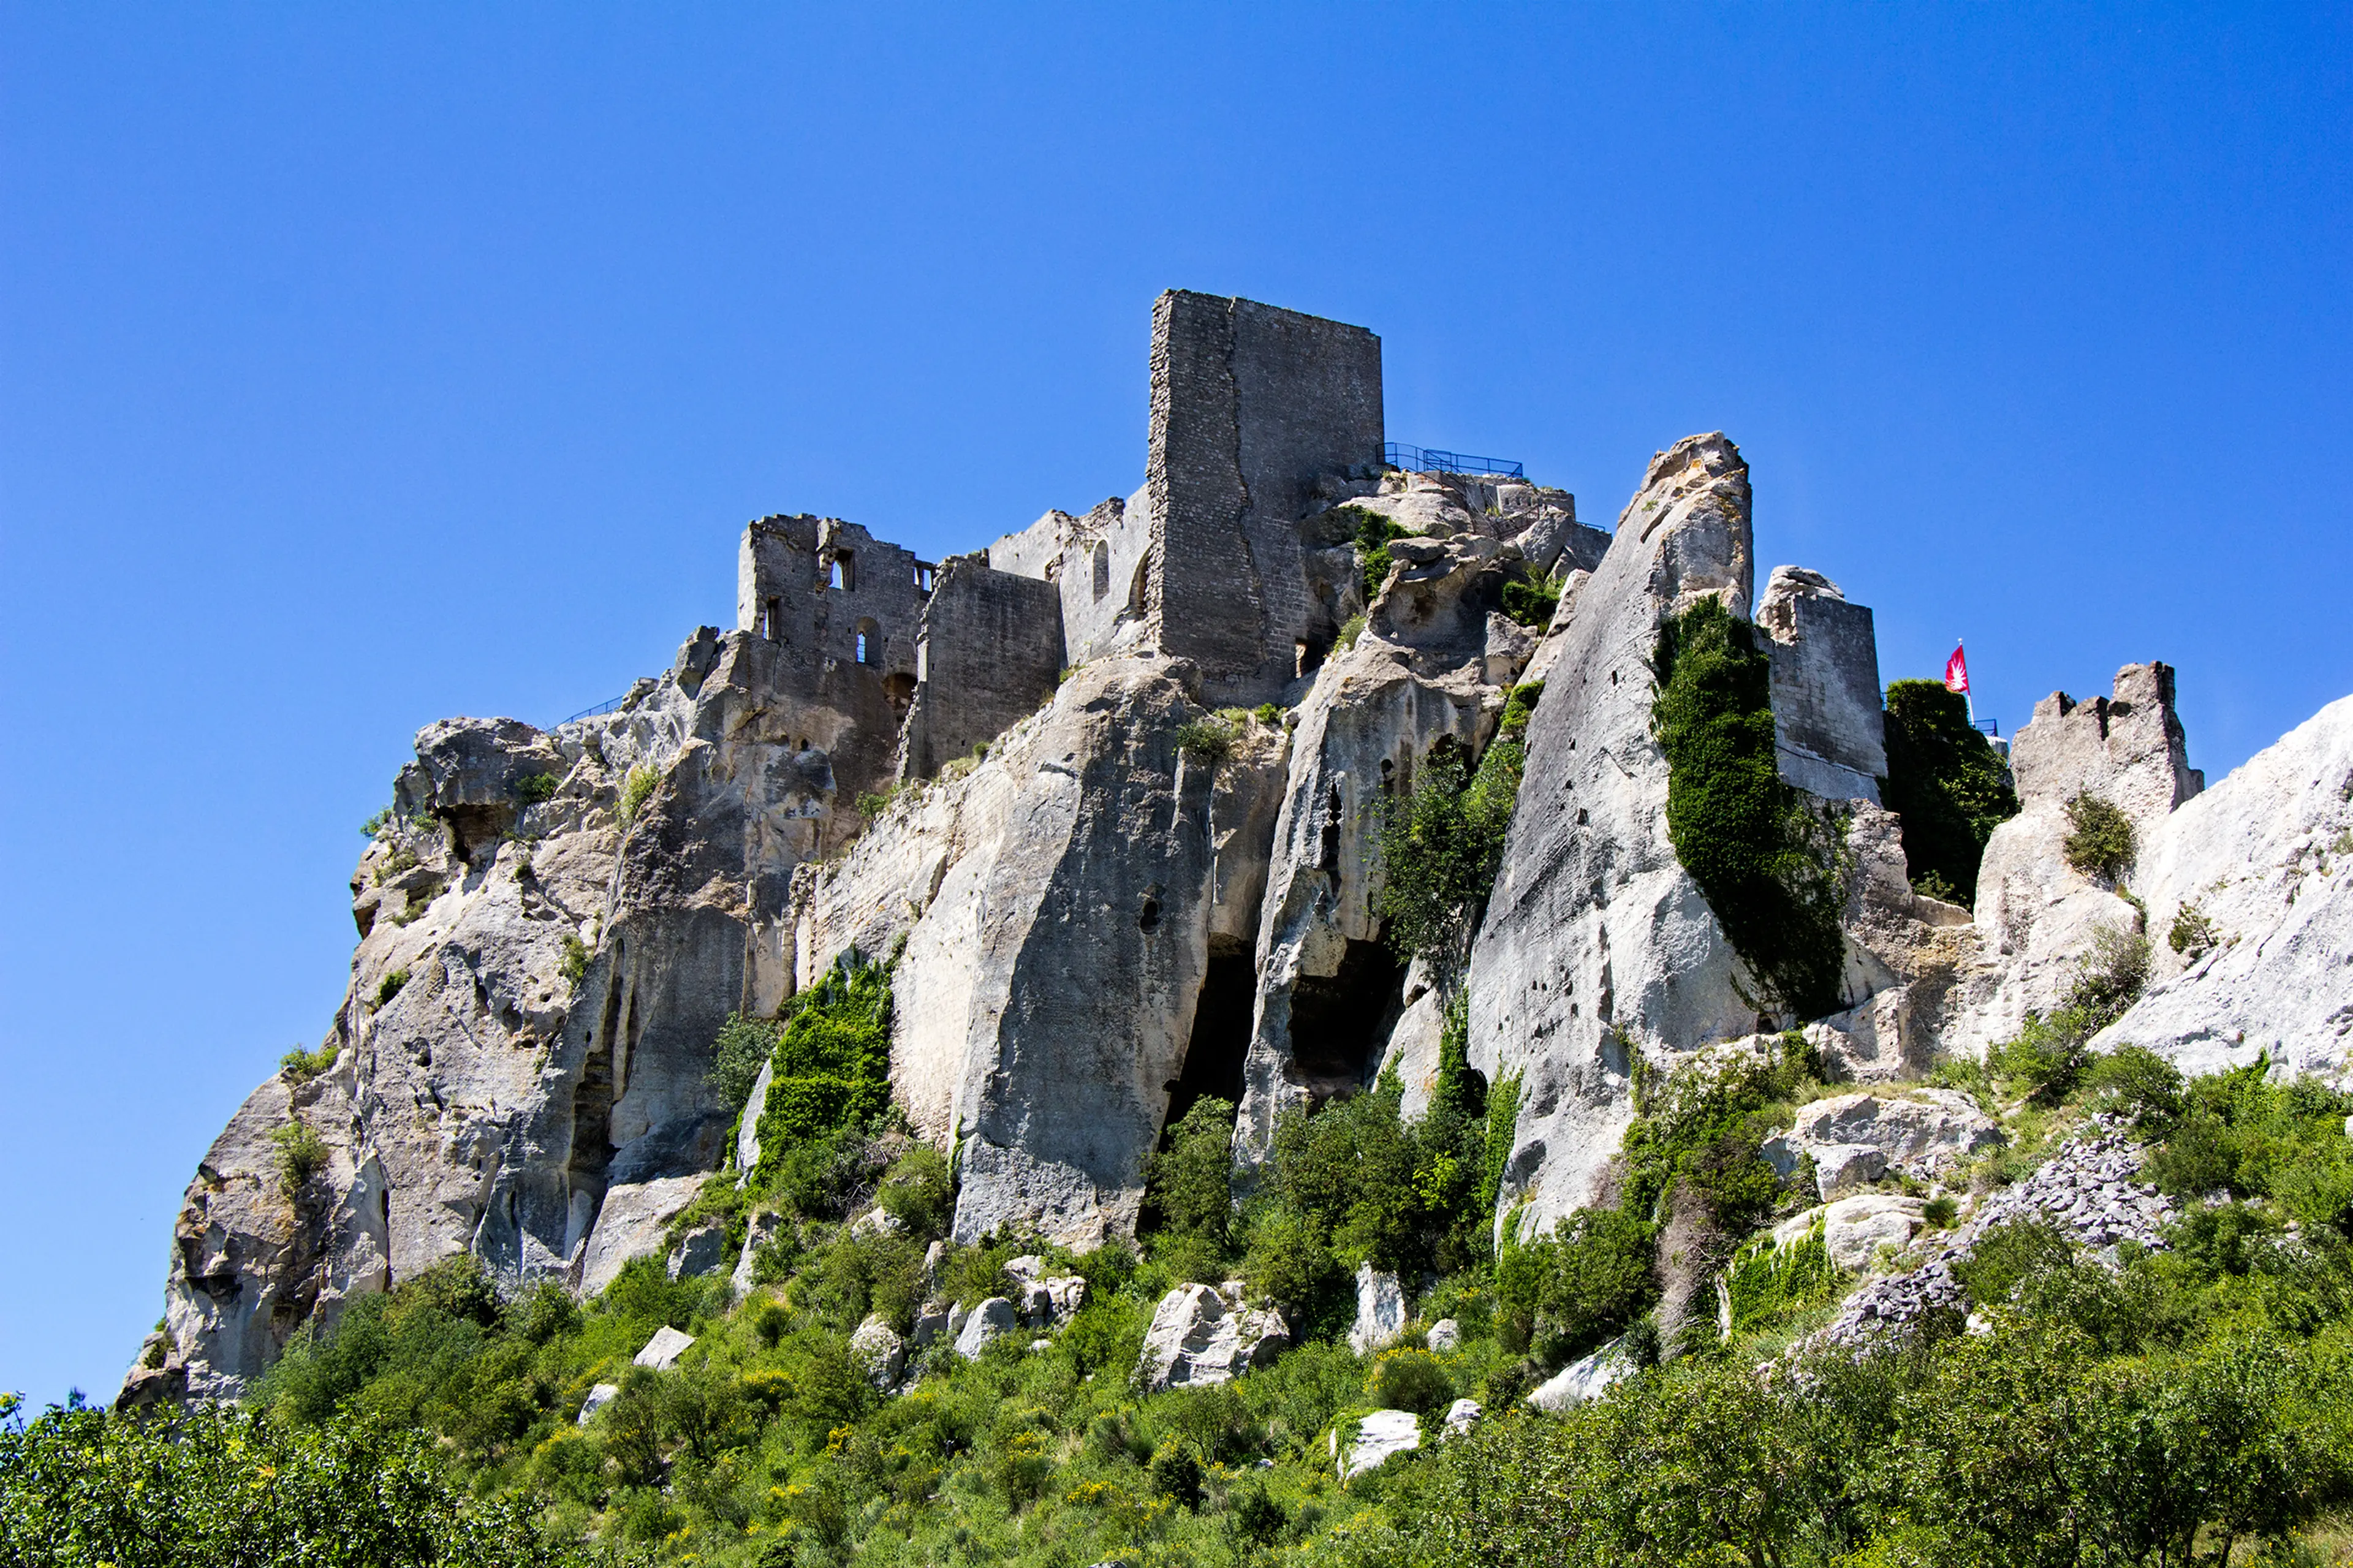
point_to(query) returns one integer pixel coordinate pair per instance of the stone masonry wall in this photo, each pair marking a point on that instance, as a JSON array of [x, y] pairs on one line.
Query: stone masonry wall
[[989, 653], [1828, 729], [1256, 413]]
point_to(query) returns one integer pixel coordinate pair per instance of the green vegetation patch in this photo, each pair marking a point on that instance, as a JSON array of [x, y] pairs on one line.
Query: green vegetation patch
[[1770, 868], [1946, 783], [832, 1065], [1531, 601], [2100, 839], [1442, 845]]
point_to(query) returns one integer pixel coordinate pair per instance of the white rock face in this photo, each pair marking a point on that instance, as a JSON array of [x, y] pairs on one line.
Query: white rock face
[[1597, 942], [989, 1321], [2266, 857], [662, 1351], [1198, 1338], [699, 1252], [1445, 1336], [878, 1352], [1586, 1378], [1381, 1436], [1380, 1311], [1461, 1416], [598, 1397]]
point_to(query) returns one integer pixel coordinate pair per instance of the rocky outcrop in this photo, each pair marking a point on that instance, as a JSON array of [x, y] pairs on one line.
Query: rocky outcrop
[[2037, 917], [1857, 1137], [1587, 1377], [1597, 942], [1199, 1335], [1855, 1229], [1380, 1309], [2250, 894], [1381, 1435]]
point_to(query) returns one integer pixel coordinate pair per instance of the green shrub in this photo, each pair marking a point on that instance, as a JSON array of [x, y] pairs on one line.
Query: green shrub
[[1941, 1211], [1704, 1128], [2049, 1055], [1563, 1294], [1771, 870], [1267, 713], [2136, 1084], [2009, 1252], [1350, 630], [634, 788], [919, 1192], [376, 823], [1765, 1283], [533, 789], [301, 1153], [1371, 533], [831, 1074], [573, 966], [1531, 601], [301, 1066], [1946, 783], [1204, 739], [742, 1048], [1189, 1183], [2192, 934], [1405, 1378], [874, 804], [389, 986], [2100, 840], [1441, 848]]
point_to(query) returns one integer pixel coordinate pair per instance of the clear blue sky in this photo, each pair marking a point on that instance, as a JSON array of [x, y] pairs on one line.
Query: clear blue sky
[[362, 365]]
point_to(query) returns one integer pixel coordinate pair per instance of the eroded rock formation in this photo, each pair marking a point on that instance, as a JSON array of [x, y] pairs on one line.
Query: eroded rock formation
[[1106, 895]]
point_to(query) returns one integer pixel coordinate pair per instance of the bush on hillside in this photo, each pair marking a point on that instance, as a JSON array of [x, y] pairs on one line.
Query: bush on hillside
[[1946, 783]]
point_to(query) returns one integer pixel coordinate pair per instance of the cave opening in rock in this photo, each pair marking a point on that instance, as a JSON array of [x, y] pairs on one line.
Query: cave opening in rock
[[1339, 1021], [1221, 1031]]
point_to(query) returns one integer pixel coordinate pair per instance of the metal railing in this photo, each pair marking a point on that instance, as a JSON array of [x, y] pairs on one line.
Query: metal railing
[[1433, 461], [607, 707], [1985, 726]]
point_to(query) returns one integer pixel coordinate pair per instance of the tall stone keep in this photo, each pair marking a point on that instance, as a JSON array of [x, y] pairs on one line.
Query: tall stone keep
[[1258, 415]]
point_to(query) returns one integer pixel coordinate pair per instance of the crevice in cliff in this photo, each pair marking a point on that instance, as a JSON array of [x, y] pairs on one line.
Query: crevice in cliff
[[1340, 1021], [1221, 1031]]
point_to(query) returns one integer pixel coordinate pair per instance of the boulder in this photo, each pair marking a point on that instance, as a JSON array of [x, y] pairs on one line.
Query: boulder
[[878, 1353], [931, 1323], [1381, 1435], [1585, 1378], [1461, 1416], [763, 1229], [700, 1251], [1855, 1229], [1196, 1338], [877, 1222], [662, 1351], [1380, 1309], [989, 1321], [1855, 1138], [1445, 1336], [598, 1397]]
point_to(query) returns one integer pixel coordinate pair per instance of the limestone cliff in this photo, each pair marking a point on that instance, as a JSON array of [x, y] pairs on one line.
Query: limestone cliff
[[1104, 895]]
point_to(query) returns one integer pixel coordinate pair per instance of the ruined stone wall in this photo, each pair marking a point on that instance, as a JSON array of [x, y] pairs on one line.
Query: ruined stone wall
[[988, 655], [1828, 729], [1256, 413], [1100, 564]]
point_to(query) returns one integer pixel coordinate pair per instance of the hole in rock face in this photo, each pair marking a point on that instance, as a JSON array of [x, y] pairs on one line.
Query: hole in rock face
[[1221, 1031], [1148, 917], [1339, 1022]]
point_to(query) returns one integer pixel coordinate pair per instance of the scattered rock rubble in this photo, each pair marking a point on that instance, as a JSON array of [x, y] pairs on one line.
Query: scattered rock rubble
[[2087, 1189]]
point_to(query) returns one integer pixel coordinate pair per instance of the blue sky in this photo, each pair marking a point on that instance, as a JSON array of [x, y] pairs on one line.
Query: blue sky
[[362, 365]]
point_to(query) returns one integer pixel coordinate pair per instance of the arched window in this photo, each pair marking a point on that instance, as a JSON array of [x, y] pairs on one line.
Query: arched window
[[1103, 569], [870, 642]]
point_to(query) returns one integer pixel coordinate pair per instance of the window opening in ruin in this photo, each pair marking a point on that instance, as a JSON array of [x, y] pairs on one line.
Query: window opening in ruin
[[869, 643], [845, 571], [1221, 1031], [775, 620], [1307, 657], [1102, 569], [925, 573], [1340, 1022]]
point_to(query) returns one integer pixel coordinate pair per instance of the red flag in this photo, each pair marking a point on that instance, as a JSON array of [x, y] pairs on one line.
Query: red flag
[[1956, 671]]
